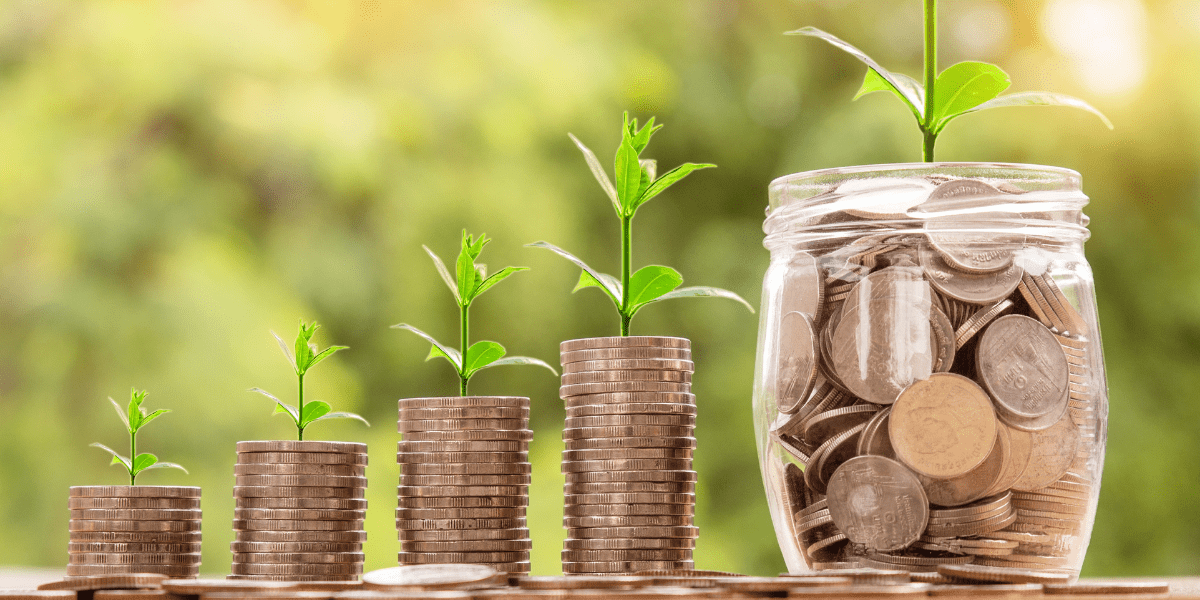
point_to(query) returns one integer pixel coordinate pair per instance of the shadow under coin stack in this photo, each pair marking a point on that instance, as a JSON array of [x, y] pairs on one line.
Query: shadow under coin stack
[[299, 510], [134, 529], [464, 481], [630, 488]]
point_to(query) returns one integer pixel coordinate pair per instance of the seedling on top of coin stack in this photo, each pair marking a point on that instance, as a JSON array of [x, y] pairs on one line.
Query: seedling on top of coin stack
[[135, 417], [635, 185], [471, 281], [963, 88], [306, 357]]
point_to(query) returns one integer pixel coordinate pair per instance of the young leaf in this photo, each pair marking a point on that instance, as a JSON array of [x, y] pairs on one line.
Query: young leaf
[[304, 351], [117, 458], [651, 282], [325, 354], [341, 415], [629, 177], [639, 139], [704, 292], [143, 461], [283, 346], [519, 360], [449, 354], [166, 465], [441, 267], [649, 167], [495, 278], [465, 270], [668, 179], [873, 82], [121, 413], [598, 172], [1038, 99], [280, 407], [152, 416], [604, 282], [964, 86], [905, 87], [313, 411], [134, 410], [480, 355]]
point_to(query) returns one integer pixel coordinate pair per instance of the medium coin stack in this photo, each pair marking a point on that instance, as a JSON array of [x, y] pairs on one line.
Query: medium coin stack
[[299, 510], [134, 529], [464, 481], [946, 376], [630, 489]]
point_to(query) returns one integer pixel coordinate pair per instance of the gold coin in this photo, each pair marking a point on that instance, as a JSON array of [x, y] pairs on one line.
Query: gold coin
[[293, 547], [406, 426], [303, 503], [624, 342], [132, 503], [300, 536], [133, 558], [426, 558], [1052, 453], [405, 458], [943, 426], [299, 469], [297, 557], [326, 458], [129, 491], [581, 389], [463, 402], [308, 447], [470, 435], [107, 525], [574, 433], [975, 484], [644, 364], [631, 353], [137, 514]]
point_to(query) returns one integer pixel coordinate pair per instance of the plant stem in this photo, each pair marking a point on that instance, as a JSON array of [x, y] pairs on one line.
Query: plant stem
[[463, 328], [626, 260], [300, 409], [132, 456], [930, 78]]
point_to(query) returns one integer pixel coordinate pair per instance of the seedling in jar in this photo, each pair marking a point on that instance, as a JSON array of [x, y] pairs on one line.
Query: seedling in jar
[[963, 88], [306, 357], [135, 417], [470, 280], [635, 185]]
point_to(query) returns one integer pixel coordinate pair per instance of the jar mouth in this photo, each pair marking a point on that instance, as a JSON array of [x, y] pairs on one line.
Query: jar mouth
[[1032, 200]]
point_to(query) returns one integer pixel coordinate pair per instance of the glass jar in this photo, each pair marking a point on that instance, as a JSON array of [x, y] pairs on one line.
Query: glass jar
[[929, 386]]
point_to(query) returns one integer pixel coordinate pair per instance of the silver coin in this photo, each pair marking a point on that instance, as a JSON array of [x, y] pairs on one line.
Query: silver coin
[[1025, 369], [877, 502], [797, 370], [975, 288]]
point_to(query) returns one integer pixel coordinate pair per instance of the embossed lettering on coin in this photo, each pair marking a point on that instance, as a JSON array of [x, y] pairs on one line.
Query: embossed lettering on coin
[[877, 502]]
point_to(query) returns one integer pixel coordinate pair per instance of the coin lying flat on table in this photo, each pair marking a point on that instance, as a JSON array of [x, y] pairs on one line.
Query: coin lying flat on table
[[432, 576], [129, 581]]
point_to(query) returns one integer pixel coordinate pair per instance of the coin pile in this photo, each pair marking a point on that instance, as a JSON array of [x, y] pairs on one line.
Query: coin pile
[[630, 488], [134, 529], [299, 510], [937, 398], [464, 481]]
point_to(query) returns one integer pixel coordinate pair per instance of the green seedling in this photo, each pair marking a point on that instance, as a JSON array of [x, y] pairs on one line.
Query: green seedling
[[961, 89], [306, 357], [134, 417], [635, 185], [470, 281]]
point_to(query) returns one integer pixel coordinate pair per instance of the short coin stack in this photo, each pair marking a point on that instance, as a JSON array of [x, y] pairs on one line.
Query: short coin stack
[[464, 481], [299, 509], [630, 489], [134, 529]]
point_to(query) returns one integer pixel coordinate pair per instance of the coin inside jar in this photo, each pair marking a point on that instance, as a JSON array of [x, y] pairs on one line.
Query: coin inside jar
[[974, 288], [943, 426], [1052, 452], [883, 345], [797, 362], [877, 502], [974, 484], [1025, 368]]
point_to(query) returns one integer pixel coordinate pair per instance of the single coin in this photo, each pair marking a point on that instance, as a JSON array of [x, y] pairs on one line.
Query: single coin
[[1053, 451], [408, 479], [467, 446], [169, 570], [134, 581], [662, 487], [632, 341], [466, 412], [197, 587], [432, 577], [297, 569], [464, 501], [632, 498], [299, 469], [323, 481], [133, 558], [608, 454], [303, 503], [425, 558], [463, 402], [137, 514], [632, 464], [1025, 369], [326, 458], [573, 433], [37, 595], [629, 521], [625, 555], [976, 483], [308, 447], [624, 420], [516, 468], [405, 458], [1107, 587], [943, 426], [298, 514], [634, 532], [629, 375], [468, 546], [624, 510], [295, 525], [120, 547], [978, 320], [129, 525], [877, 502], [644, 364], [604, 476], [297, 557], [627, 543], [466, 523], [301, 536], [826, 425], [448, 535], [1000, 574], [882, 345], [489, 512], [639, 408], [830, 456], [632, 353], [132, 503], [797, 368], [581, 389], [874, 439], [631, 397], [130, 491], [943, 337], [624, 566], [438, 491], [585, 443], [293, 547], [406, 426], [137, 537]]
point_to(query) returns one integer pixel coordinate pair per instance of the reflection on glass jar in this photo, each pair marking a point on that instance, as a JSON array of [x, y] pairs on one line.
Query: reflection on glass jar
[[930, 386]]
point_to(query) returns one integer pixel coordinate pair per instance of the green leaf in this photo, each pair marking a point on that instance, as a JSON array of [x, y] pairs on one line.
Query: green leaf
[[906, 87], [496, 277], [704, 292], [304, 351], [600, 280], [598, 172], [640, 138], [629, 177], [152, 416], [326, 353], [117, 458], [873, 82], [280, 407], [668, 179], [134, 410], [313, 411], [605, 282], [121, 413], [166, 465], [143, 461], [449, 354], [480, 355], [283, 346], [465, 270], [649, 167], [441, 267], [651, 282], [341, 415], [519, 360], [1039, 99], [964, 86]]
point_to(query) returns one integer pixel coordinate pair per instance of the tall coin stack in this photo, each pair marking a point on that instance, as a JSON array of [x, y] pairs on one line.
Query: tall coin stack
[[630, 489], [299, 510], [464, 481], [134, 529]]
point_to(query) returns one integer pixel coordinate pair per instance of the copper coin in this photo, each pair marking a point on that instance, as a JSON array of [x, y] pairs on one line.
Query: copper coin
[[632, 353], [131, 581], [129, 491], [877, 502], [137, 537], [434, 491], [608, 454], [470, 435], [408, 479], [266, 558], [137, 514], [304, 503], [628, 521], [624, 342], [943, 426], [468, 546], [623, 510], [466, 412], [1000, 574], [299, 469], [131, 503], [627, 431], [976, 483], [319, 481], [448, 535], [627, 420], [623, 555], [631, 397], [1103, 588], [655, 364], [881, 346], [586, 377], [624, 566], [632, 464], [467, 523], [293, 547], [301, 536], [463, 501], [130, 558], [171, 570], [627, 543], [463, 402], [326, 458], [638, 408], [461, 424], [630, 442], [405, 458], [295, 446], [465, 446], [122, 547], [1053, 451], [426, 558], [485, 512], [296, 569], [797, 369], [655, 475], [631, 498], [518, 468], [1025, 369], [298, 514], [662, 487], [128, 525], [295, 525], [580, 389], [635, 532], [36, 595]]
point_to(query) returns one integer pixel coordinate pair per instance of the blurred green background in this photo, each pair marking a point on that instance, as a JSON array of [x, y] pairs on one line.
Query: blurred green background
[[177, 179]]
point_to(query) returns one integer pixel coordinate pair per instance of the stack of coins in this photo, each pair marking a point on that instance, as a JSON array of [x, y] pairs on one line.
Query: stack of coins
[[630, 489], [299, 510], [464, 481], [134, 529]]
